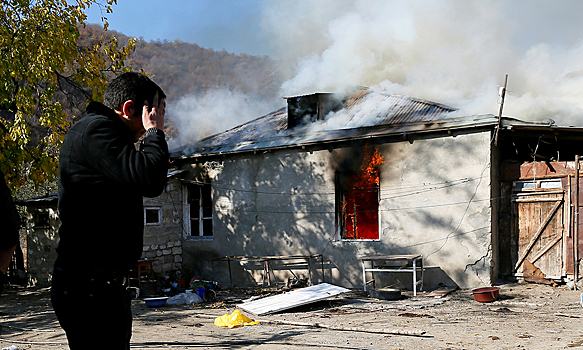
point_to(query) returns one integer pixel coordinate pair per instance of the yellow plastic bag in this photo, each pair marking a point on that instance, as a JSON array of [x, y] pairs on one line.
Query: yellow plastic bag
[[236, 319]]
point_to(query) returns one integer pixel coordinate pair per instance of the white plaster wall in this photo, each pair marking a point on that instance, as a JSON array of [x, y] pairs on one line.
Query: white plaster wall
[[434, 201]]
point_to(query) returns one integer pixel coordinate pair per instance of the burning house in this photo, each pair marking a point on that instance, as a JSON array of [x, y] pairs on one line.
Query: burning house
[[334, 177], [365, 173]]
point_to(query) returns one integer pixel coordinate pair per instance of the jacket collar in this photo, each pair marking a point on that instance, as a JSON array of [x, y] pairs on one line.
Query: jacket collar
[[95, 107], [99, 108]]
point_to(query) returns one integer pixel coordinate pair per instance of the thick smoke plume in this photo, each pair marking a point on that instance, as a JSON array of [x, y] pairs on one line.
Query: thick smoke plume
[[198, 116], [449, 51]]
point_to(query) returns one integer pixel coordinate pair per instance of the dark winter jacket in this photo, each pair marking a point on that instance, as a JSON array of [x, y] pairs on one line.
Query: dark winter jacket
[[102, 182], [8, 217]]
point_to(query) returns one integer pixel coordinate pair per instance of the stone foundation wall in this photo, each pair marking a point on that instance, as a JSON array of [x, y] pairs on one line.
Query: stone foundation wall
[[167, 256], [41, 245], [163, 241]]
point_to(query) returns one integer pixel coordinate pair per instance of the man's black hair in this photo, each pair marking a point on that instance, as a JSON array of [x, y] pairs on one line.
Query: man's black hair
[[131, 86]]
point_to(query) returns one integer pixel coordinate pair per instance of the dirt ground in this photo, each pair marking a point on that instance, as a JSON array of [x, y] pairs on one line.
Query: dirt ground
[[528, 316]]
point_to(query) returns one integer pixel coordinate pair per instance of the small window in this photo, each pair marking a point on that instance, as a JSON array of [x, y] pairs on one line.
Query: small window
[[200, 210], [538, 185], [152, 216], [41, 219]]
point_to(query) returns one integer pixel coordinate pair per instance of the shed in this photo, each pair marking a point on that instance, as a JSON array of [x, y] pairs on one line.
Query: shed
[[162, 233]]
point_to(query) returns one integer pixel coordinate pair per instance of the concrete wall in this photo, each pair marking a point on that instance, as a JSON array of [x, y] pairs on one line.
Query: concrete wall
[[434, 201], [41, 243]]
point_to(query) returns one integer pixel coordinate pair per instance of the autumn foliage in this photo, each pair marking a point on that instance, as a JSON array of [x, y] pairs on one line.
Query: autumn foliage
[[41, 64]]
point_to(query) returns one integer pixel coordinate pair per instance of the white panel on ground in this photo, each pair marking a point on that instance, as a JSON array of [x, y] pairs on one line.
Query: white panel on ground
[[292, 299]]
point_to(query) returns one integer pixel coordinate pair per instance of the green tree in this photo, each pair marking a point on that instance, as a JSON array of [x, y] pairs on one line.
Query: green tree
[[41, 63]]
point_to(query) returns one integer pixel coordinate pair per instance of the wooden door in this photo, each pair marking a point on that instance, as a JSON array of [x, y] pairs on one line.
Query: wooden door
[[540, 223]]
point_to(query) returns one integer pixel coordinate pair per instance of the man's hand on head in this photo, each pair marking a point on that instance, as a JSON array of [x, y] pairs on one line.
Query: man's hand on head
[[154, 117]]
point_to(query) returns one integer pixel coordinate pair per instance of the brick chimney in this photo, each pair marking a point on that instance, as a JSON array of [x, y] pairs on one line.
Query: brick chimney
[[305, 109]]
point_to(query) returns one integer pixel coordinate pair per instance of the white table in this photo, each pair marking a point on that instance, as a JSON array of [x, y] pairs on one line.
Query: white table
[[378, 264]]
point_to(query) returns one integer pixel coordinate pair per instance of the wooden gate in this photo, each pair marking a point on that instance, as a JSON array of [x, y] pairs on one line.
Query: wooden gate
[[539, 208]]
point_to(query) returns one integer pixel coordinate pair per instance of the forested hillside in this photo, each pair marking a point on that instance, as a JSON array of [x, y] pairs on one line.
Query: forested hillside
[[182, 68]]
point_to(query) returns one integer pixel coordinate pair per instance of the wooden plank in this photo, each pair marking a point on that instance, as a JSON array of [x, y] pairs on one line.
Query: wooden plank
[[538, 233], [292, 299], [567, 230], [441, 292], [536, 200], [546, 248]]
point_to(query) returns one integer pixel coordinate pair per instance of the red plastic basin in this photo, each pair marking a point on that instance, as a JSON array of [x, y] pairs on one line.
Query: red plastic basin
[[486, 294]]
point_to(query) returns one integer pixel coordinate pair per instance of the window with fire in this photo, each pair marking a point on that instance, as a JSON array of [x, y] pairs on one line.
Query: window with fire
[[357, 200], [200, 210]]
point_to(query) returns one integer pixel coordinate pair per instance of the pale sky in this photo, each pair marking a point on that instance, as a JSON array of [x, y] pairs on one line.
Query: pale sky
[[455, 52], [239, 25], [232, 25]]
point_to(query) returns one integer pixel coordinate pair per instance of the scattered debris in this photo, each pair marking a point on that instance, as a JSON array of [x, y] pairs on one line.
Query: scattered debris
[[533, 274], [572, 285], [410, 314], [236, 319], [193, 325], [441, 292], [386, 293], [294, 283], [412, 332], [12, 347], [184, 299], [569, 315], [27, 329]]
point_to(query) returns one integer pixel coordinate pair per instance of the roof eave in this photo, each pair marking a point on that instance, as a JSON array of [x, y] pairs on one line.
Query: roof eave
[[302, 141]]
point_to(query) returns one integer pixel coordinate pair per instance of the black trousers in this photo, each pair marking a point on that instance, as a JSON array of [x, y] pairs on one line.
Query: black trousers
[[93, 308], [3, 280]]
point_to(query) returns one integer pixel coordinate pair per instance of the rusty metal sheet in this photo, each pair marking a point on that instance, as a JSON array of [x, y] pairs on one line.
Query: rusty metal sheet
[[540, 170]]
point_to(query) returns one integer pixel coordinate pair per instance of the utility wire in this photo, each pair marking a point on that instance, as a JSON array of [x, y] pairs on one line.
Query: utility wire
[[463, 215], [412, 188]]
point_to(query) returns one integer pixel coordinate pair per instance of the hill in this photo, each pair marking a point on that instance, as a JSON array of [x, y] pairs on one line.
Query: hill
[[182, 68]]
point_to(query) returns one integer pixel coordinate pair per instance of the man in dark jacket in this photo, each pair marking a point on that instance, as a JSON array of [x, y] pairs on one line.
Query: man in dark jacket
[[9, 231], [103, 177]]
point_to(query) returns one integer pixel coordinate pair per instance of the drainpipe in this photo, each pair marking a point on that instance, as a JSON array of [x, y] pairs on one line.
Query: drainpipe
[[502, 96], [576, 224]]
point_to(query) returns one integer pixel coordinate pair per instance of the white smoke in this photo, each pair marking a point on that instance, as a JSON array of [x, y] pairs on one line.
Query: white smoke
[[198, 116], [449, 51]]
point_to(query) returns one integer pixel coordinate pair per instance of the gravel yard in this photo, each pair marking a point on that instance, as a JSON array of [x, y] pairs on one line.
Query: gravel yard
[[528, 316]]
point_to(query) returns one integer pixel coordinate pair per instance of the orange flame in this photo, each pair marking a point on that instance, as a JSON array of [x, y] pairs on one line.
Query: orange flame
[[360, 204]]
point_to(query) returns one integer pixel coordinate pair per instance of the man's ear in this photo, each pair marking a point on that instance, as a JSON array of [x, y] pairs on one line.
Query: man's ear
[[127, 109]]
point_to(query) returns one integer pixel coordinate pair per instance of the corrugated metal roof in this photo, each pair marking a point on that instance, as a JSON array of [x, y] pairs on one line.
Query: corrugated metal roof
[[359, 109], [46, 199], [389, 109], [362, 114]]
